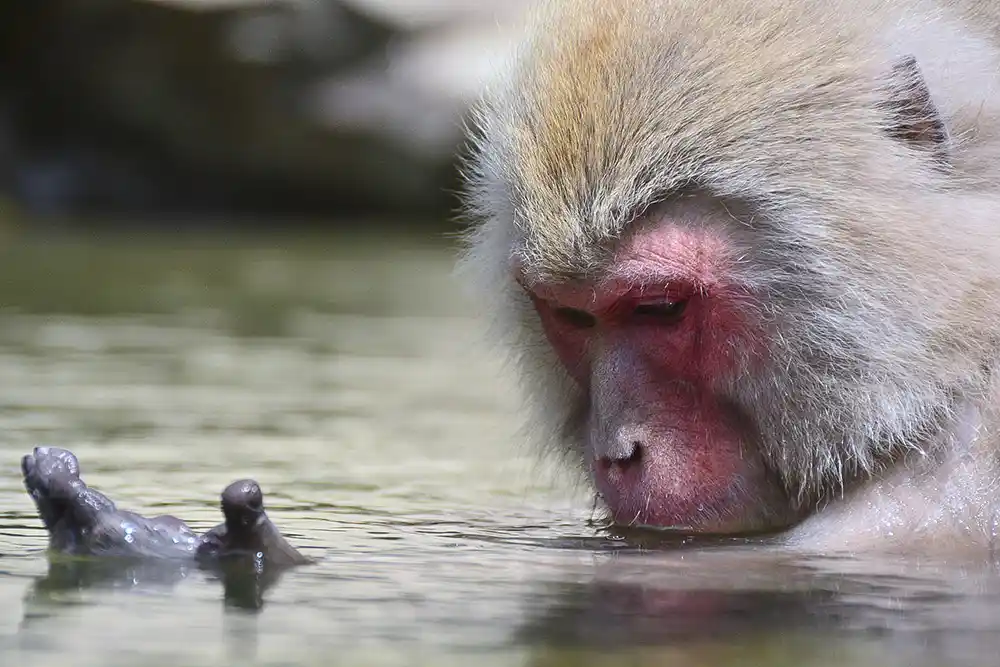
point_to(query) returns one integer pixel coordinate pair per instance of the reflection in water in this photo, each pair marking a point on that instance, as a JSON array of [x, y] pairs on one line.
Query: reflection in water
[[765, 606], [243, 581], [619, 615], [344, 377]]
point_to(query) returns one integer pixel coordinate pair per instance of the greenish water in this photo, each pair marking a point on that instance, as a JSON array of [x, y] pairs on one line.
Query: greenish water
[[346, 376]]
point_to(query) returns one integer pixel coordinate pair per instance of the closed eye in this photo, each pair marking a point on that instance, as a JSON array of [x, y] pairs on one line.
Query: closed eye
[[578, 319], [665, 312]]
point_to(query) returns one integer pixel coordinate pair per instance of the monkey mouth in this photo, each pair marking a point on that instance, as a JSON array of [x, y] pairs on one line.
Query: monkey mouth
[[639, 494], [638, 508]]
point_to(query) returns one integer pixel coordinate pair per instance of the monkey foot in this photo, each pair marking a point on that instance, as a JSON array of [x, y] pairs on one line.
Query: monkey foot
[[81, 520], [247, 530], [52, 478]]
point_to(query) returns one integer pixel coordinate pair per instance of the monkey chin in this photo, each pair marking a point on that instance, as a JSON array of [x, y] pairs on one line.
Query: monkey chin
[[648, 494]]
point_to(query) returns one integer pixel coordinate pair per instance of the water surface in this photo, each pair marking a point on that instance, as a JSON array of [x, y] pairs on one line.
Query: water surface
[[346, 377]]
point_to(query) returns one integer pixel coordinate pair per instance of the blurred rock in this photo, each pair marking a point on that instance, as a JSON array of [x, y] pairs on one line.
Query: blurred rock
[[316, 107]]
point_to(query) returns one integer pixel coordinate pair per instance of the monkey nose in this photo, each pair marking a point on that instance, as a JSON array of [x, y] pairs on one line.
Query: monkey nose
[[621, 457]]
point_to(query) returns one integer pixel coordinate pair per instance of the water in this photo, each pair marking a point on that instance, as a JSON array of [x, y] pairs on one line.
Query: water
[[346, 377]]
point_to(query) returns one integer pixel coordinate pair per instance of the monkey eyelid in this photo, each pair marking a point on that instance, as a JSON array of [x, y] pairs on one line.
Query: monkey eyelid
[[658, 292], [658, 301], [661, 309]]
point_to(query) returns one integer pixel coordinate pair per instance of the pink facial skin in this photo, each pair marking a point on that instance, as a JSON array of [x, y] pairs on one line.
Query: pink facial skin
[[652, 342]]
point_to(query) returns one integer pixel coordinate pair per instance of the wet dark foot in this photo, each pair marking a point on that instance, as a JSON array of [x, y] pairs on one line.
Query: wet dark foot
[[83, 521], [247, 530], [52, 478]]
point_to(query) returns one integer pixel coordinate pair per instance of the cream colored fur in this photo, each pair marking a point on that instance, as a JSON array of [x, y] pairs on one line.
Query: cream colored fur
[[878, 267]]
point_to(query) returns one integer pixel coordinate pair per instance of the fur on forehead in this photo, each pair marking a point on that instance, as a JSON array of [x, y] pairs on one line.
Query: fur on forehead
[[579, 142]]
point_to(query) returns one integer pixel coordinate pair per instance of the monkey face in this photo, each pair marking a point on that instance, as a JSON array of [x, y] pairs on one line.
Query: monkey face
[[725, 380], [654, 345]]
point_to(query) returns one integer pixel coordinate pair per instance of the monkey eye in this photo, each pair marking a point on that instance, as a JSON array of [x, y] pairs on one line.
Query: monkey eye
[[578, 319], [666, 312]]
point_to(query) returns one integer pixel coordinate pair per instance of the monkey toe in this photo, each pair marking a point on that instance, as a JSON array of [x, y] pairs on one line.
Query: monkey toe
[[51, 472], [248, 531], [242, 502], [52, 478], [46, 463], [49, 475], [27, 466]]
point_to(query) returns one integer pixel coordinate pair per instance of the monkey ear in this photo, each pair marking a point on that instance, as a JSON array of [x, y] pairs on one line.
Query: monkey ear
[[913, 117]]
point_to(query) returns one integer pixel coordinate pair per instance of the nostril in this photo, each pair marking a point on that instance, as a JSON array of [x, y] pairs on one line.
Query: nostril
[[624, 460], [636, 455]]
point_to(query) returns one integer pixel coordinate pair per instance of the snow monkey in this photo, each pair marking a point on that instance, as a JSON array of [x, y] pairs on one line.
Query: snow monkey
[[746, 254]]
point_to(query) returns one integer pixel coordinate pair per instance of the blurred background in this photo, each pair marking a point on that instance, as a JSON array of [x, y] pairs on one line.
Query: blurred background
[[239, 113]]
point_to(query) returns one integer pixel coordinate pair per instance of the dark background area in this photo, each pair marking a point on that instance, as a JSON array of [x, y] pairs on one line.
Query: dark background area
[[239, 113]]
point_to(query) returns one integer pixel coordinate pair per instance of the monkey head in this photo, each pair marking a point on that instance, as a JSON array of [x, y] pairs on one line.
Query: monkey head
[[711, 234]]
